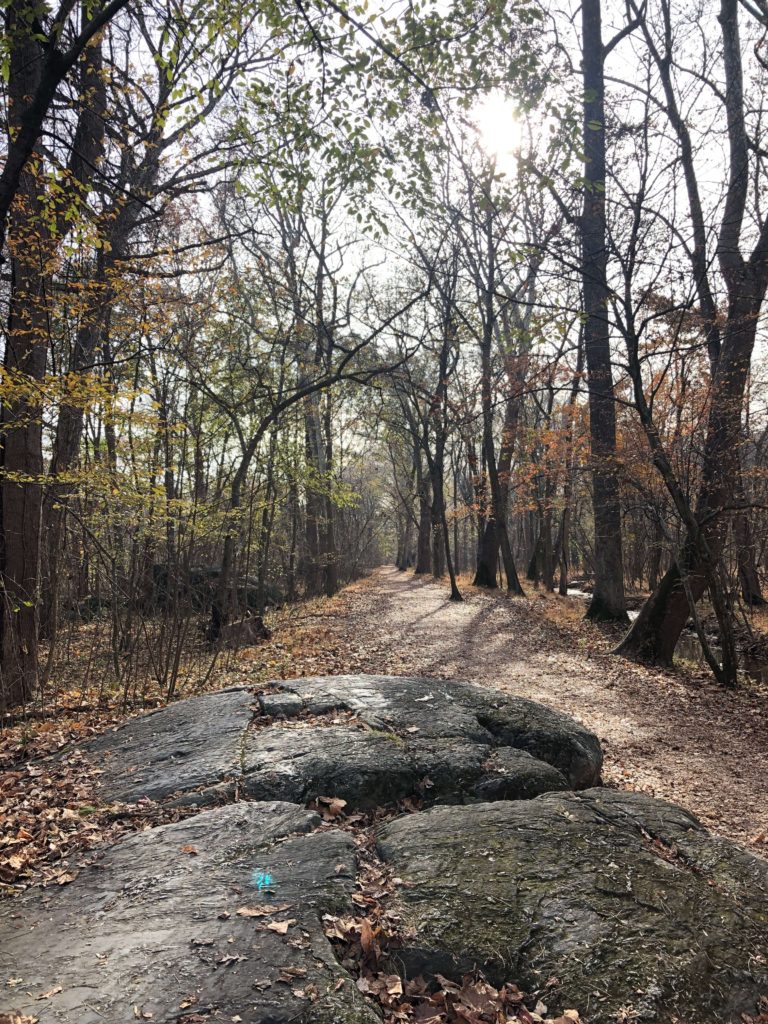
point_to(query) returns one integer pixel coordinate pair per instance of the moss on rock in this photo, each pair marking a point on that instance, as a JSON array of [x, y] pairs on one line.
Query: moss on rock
[[625, 901]]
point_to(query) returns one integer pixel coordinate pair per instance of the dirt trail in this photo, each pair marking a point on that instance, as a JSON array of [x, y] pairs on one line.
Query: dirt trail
[[676, 737]]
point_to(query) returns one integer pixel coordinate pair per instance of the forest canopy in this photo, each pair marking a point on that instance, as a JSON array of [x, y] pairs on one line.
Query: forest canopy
[[295, 288]]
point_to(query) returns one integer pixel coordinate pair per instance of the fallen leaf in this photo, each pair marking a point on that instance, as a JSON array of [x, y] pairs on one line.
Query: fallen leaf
[[281, 927], [330, 807], [263, 911], [53, 992], [367, 939], [289, 974], [227, 959]]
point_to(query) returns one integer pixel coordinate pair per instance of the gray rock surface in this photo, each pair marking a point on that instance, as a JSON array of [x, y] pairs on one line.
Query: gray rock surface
[[516, 775], [154, 926], [191, 743], [610, 902], [396, 737], [369, 769], [613, 903], [438, 709]]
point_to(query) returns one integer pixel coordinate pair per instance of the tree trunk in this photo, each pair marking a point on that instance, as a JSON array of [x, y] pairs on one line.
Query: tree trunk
[[423, 545], [495, 534], [293, 507], [655, 632], [26, 353], [608, 600], [548, 553], [314, 503], [533, 573], [564, 533], [490, 543], [656, 555], [436, 519], [749, 580], [456, 547], [265, 530], [328, 534]]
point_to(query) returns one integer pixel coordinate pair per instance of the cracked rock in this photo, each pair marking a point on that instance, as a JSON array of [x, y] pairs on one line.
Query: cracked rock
[[404, 737], [153, 927], [607, 902], [192, 743]]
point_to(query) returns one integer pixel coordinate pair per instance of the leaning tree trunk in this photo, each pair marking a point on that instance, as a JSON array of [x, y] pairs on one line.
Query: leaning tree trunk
[[608, 600], [655, 632]]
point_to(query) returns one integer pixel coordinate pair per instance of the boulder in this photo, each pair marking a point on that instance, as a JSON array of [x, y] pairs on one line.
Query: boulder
[[615, 904], [179, 923], [612, 903], [192, 743], [367, 739], [246, 632], [439, 709]]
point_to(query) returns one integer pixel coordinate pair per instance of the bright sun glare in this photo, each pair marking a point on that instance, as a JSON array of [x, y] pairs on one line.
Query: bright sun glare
[[499, 129]]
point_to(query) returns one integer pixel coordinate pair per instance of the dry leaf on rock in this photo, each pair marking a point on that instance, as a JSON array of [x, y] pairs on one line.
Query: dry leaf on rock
[[263, 910], [52, 992], [330, 807], [281, 927]]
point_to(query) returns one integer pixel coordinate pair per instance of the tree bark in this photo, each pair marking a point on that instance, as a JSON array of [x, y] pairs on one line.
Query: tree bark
[[490, 541], [608, 599], [655, 632], [749, 580], [423, 543], [313, 572], [41, 69], [564, 532], [26, 352], [495, 534]]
